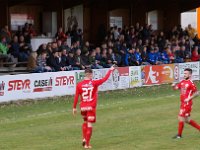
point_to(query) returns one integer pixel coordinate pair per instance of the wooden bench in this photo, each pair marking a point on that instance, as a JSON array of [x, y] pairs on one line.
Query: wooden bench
[[13, 63], [13, 68]]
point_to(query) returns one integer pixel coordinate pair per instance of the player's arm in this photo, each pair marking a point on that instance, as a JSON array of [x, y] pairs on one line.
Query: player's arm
[[101, 81], [75, 100], [196, 94], [175, 86]]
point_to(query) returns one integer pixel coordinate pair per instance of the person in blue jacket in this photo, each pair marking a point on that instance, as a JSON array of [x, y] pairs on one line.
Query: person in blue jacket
[[138, 57], [130, 59], [164, 57], [152, 57]]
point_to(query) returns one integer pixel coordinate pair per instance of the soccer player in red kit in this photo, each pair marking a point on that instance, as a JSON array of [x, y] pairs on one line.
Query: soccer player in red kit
[[188, 91], [88, 89]]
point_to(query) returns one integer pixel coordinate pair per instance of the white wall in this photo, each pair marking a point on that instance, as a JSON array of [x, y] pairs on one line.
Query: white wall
[[153, 19], [189, 18]]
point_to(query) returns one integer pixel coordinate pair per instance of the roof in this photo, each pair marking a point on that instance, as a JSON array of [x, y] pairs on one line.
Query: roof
[[184, 5]]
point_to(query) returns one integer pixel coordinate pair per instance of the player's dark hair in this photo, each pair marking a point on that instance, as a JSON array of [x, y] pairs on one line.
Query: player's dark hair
[[88, 70], [188, 69]]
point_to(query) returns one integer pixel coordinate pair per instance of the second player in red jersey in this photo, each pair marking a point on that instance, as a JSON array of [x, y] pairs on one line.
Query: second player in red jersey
[[188, 91], [87, 90]]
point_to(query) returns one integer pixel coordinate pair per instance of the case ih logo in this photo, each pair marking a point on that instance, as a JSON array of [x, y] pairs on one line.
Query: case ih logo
[[64, 80], [43, 85], [2, 88], [18, 85]]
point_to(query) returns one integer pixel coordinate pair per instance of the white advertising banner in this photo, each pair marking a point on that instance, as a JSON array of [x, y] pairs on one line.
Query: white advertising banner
[[99, 74], [41, 85], [195, 70], [64, 83], [120, 78], [31, 86], [135, 76]]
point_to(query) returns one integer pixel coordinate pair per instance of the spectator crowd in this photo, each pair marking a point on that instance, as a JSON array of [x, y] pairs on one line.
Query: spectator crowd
[[128, 46]]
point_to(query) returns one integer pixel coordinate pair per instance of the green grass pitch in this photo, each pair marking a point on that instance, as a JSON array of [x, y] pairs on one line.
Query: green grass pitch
[[134, 119]]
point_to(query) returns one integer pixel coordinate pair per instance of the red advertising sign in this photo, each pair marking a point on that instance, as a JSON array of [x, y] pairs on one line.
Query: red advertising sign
[[159, 74]]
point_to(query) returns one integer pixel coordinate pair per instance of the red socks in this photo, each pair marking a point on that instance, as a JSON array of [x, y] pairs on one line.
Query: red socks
[[88, 135], [84, 130], [194, 124], [180, 128], [87, 132]]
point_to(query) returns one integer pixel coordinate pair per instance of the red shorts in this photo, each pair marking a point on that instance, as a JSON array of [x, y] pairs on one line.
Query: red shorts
[[185, 110], [89, 114]]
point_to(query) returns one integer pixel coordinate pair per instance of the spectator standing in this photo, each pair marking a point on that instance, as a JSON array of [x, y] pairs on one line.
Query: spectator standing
[[60, 35], [6, 33], [15, 47], [24, 49], [191, 31]]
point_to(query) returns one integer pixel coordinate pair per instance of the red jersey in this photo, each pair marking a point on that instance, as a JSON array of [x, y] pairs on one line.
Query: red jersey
[[187, 89], [88, 90]]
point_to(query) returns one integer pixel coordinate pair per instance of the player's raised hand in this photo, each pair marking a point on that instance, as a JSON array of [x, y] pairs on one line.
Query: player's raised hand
[[112, 67], [74, 111]]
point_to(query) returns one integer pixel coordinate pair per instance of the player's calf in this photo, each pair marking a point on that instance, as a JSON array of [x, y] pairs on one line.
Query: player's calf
[[194, 124]]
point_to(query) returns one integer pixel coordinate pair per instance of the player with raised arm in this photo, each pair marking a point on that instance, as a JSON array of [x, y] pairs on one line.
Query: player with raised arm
[[188, 91], [88, 89]]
